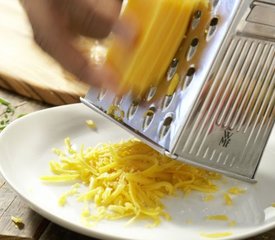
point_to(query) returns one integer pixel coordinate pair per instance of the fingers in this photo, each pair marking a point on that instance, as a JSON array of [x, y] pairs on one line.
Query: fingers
[[97, 18], [54, 38], [56, 23], [91, 18]]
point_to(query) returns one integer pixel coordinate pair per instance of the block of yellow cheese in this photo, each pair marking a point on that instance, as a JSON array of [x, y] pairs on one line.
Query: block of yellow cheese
[[162, 26]]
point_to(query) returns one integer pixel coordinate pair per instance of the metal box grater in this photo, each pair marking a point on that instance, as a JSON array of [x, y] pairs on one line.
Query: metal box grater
[[223, 110]]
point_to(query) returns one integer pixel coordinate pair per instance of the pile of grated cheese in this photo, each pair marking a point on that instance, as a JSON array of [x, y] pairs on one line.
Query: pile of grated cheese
[[126, 179]]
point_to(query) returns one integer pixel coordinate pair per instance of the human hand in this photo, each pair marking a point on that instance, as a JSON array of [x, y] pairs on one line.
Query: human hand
[[57, 24]]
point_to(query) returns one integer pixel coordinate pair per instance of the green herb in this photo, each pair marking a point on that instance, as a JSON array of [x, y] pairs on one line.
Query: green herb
[[4, 102], [7, 112], [21, 115]]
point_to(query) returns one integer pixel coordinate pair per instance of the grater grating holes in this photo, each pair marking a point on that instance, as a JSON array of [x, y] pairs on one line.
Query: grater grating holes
[[101, 94], [151, 93], [182, 134], [189, 77], [192, 49], [148, 117], [196, 19], [117, 100], [132, 110], [116, 112], [173, 69], [211, 30], [167, 101], [166, 126]]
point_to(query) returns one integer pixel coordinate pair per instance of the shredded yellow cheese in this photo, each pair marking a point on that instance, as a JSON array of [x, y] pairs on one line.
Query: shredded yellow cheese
[[218, 217], [91, 124], [173, 85], [127, 179], [18, 222], [216, 235], [223, 218], [228, 199], [236, 191], [16, 219], [115, 112], [85, 212], [63, 199]]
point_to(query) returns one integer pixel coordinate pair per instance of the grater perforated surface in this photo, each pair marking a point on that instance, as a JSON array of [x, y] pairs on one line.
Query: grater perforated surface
[[223, 107]]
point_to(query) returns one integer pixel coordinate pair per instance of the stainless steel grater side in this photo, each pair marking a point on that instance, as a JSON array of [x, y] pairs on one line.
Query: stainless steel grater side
[[223, 110]]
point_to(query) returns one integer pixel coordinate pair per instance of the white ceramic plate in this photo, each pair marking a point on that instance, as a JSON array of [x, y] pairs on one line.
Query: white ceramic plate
[[25, 151]]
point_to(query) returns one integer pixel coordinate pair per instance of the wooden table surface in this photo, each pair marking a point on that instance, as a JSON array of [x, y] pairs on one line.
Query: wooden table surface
[[37, 227]]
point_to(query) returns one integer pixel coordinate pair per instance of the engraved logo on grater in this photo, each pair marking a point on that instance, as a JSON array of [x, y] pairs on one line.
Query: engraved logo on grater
[[226, 139]]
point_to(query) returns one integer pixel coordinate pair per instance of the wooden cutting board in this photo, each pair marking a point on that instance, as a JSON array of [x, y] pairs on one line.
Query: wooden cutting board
[[26, 69]]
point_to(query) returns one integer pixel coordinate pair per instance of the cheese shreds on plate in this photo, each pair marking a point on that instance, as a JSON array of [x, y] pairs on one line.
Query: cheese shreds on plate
[[236, 191], [216, 235], [218, 217], [223, 218], [73, 192], [228, 200], [126, 179], [91, 124]]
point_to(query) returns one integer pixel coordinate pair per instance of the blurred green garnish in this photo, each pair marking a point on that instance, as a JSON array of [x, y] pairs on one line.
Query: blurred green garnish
[[7, 113]]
